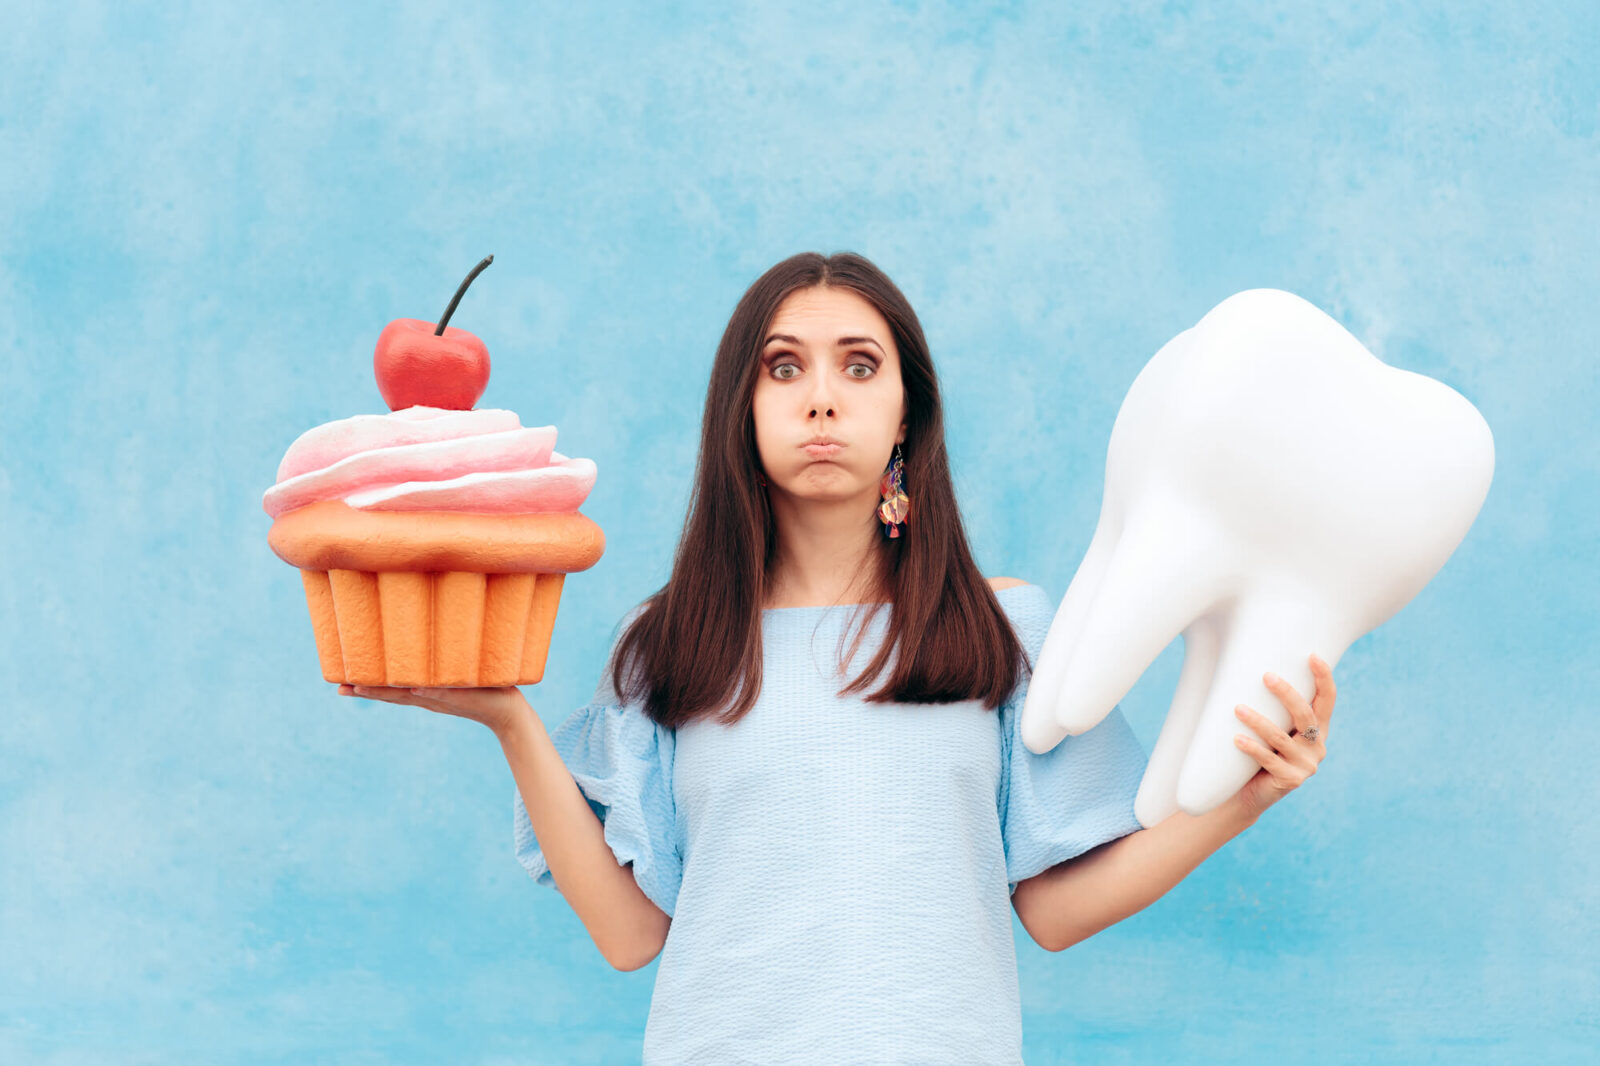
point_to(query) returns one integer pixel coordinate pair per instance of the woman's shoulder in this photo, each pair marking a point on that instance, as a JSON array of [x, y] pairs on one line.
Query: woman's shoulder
[[1015, 593], [1029, 608]]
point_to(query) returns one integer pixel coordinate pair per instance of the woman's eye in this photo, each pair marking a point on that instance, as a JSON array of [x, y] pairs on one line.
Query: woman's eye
[[777, 371], [862, 366]]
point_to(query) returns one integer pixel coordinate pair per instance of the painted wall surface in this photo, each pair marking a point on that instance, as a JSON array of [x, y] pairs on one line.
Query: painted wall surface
[[207, 216]]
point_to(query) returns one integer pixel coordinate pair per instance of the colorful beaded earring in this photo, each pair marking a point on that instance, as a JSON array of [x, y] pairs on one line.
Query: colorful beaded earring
[[895, 510]]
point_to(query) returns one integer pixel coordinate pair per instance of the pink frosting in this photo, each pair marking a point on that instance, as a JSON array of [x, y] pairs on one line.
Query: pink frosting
[[431, 459]]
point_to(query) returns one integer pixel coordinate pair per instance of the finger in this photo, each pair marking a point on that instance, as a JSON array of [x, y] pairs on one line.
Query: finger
[[459, 700], [435, 699], [1270, 761], [453, 697], [1276, 739], [1300, 712], [1327, 691], [463, 695], [387, 694]]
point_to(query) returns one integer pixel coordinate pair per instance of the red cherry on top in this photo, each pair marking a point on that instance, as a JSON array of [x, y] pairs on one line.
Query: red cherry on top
[[415, 366], [417, 362]]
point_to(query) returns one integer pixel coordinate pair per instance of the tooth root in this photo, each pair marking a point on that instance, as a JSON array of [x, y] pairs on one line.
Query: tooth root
[[1153, 585], [1158, 792]]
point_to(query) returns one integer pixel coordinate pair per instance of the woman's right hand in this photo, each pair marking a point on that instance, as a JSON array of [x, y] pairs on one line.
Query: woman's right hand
[[501, 709]]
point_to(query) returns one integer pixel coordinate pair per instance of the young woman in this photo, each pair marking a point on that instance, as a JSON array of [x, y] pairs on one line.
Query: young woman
[[800, 781]]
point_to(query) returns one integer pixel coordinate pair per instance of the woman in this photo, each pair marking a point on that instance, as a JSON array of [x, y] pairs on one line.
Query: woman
[[800, 781]]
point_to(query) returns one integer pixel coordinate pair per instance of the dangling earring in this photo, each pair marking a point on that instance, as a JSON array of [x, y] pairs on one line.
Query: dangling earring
[[895, 510]]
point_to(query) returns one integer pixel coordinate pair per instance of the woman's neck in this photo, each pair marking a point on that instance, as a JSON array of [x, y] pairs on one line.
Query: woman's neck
[[827, 554]]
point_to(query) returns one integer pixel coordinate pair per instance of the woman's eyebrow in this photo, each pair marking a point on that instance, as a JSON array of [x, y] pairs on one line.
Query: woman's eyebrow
[[841, 342]]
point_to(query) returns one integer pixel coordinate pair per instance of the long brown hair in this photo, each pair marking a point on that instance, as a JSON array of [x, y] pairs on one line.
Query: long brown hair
[[698, 637]]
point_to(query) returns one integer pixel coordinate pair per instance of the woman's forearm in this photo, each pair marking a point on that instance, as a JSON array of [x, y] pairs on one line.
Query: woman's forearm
[[628, 929], [1074, 900]]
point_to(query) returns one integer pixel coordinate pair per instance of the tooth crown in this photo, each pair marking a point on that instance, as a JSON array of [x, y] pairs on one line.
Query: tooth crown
[[1272, 489]]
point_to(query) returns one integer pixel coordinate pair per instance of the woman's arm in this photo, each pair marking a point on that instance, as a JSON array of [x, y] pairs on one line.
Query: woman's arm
[[1074, 900], [628, 929]]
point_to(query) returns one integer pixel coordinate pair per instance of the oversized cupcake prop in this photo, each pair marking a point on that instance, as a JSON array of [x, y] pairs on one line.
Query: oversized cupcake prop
[[433, 541]]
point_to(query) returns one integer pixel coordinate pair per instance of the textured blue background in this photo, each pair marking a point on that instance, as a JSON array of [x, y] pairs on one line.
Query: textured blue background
[[206, 217]]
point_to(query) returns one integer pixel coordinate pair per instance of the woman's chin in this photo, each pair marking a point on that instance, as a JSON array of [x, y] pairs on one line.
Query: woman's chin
[[825, 483]]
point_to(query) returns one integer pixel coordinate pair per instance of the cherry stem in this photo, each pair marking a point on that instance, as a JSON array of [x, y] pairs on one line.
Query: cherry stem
[[448, 311]]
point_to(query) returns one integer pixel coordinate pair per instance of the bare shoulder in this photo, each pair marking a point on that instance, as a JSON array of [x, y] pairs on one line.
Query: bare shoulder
[[998, 583]]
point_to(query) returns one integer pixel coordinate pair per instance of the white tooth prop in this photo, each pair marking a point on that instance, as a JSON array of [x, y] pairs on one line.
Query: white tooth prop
[[1272, 490]]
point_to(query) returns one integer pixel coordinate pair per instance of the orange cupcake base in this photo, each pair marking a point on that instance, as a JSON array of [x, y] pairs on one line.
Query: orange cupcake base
[[449, 629]]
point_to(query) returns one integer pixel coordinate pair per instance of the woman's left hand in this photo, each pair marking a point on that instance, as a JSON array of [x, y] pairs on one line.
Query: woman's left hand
[[1291, 757]]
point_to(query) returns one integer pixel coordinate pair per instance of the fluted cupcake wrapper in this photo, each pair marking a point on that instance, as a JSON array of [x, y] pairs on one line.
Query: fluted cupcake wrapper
[[452, 629]]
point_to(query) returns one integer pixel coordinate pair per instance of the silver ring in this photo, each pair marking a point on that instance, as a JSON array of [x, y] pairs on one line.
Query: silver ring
[[1312, 734]]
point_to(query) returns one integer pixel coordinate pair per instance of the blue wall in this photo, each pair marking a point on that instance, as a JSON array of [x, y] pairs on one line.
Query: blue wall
[[207, 216]]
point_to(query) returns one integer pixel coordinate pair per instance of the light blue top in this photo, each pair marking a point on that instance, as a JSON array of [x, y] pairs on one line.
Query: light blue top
[[838, 873]]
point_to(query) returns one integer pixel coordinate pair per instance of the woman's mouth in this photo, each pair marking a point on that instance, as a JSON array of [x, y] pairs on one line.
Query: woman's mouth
[[822, 451]]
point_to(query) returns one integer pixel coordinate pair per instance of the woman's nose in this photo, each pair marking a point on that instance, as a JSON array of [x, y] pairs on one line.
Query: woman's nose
[[820, 398]]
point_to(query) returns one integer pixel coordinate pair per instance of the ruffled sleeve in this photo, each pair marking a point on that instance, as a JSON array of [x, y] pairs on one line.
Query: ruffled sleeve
[[622, 762], [1078, 794]]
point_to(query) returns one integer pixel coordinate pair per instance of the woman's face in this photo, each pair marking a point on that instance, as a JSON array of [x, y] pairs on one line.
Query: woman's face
[[829, 368]]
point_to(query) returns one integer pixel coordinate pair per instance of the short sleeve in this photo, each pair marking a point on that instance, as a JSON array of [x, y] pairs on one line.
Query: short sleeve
[[1077, 795], [622, 762]]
